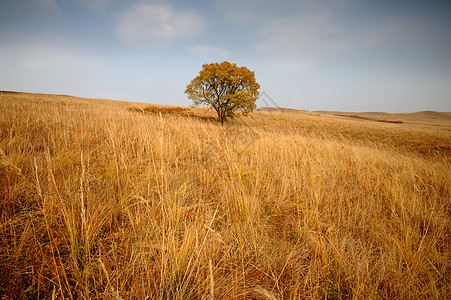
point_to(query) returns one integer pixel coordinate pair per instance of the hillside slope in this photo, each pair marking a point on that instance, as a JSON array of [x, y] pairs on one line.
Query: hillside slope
[[105, 199]]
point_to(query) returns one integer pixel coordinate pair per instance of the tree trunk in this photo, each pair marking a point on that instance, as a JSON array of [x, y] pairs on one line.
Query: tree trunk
[[221, 116]]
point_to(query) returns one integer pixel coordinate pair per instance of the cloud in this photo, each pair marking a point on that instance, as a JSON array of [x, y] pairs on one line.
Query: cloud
[[54, 59], [150, 26], [284, 64], [304, 33], [50, 5], [243, 12], [209, 51], [256, 11], [291, 34], [94, 5], [295, 42], [49, 64], [27, 8], [35, 63], [49, 54]]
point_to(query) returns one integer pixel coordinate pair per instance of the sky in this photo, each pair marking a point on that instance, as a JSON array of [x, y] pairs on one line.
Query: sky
[[336, 55]]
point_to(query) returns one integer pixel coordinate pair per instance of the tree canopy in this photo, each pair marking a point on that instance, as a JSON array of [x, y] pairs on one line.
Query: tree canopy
[[225, 87]]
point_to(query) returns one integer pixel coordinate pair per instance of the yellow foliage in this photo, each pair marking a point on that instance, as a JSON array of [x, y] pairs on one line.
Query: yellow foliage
[[225, 87]]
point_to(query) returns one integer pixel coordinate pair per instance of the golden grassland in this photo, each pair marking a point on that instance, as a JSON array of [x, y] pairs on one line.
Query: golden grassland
[[115, 200]]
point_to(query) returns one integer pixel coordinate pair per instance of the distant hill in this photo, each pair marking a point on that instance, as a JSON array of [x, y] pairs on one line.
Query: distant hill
[[279, 109], [421, 118]]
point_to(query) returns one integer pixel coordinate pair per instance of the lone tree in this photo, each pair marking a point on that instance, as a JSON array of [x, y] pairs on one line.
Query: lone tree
[[225, 87]]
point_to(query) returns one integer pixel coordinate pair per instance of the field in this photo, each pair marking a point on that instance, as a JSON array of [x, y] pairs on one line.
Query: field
[[116, 200]]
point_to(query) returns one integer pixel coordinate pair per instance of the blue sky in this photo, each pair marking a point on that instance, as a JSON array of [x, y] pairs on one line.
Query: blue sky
[[348, 55]]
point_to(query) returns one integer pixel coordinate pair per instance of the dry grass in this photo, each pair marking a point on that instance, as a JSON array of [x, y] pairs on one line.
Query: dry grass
[[98, 201], [181, 111]]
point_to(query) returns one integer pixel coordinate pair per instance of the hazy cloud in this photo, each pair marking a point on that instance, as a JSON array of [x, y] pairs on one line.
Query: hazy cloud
[[293, 43], [209, 51], [95, 5], [149, 25], [48, 58], [47, 64], [249, 11], [29, 7], [50, 5], [244, 12], [47, 54], [291, 34]]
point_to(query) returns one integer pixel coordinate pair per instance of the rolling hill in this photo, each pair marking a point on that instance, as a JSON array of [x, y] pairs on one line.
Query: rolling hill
[[110, 199]]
